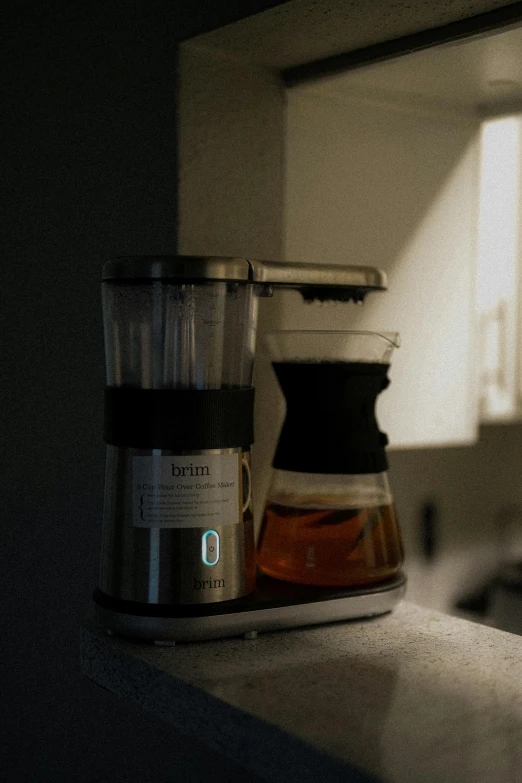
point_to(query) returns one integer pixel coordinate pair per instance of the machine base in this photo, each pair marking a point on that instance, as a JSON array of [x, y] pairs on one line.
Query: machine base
[[274, 606]]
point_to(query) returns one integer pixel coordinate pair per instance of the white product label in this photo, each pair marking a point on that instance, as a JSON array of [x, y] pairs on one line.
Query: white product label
[[186, 491]]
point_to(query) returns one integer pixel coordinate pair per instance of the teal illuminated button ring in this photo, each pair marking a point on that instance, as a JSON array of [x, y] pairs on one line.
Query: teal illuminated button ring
[[210, 547]]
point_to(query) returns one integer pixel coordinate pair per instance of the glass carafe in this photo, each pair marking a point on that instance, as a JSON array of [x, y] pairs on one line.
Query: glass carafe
[[329, 518]]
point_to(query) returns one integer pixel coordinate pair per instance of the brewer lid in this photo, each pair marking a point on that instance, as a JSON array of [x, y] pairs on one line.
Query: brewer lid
[[318, 280], [177, 268]]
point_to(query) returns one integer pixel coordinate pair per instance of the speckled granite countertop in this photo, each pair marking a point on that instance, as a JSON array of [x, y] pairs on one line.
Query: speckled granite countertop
[[414, 696]]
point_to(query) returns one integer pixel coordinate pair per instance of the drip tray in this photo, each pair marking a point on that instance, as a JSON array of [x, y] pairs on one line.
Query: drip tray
[[274, 606]]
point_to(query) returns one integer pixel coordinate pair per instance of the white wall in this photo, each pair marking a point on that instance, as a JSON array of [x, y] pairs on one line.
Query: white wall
[[380, 186], [230, 153]]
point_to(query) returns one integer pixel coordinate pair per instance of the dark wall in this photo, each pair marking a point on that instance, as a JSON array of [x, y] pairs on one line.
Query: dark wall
[[89, 171]]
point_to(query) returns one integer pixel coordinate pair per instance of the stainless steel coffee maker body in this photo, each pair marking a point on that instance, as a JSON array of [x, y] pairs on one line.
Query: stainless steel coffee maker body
[[180, 338]]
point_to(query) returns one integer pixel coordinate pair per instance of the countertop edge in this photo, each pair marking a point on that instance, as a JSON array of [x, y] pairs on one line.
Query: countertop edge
[[259, 747]]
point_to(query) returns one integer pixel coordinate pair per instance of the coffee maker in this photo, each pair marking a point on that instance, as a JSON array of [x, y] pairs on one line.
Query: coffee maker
[[178, 556]]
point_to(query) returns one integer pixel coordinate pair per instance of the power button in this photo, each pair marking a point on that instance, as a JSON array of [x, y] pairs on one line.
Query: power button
[[210, 547]]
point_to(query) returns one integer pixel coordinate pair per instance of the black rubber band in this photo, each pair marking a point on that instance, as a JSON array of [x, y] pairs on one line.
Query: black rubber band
[[179, 419]]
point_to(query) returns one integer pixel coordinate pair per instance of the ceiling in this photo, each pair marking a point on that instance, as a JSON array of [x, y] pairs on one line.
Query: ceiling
[[303, 31], [478, 76]]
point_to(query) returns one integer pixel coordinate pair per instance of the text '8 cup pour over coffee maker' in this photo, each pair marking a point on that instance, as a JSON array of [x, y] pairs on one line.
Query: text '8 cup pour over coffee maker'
[[178, 552]]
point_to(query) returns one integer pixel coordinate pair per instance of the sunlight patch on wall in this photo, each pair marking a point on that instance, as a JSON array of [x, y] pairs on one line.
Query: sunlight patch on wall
[[497, 274]]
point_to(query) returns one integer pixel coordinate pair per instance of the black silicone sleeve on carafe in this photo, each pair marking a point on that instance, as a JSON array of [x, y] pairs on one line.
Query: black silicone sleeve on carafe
[[330, 424]]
